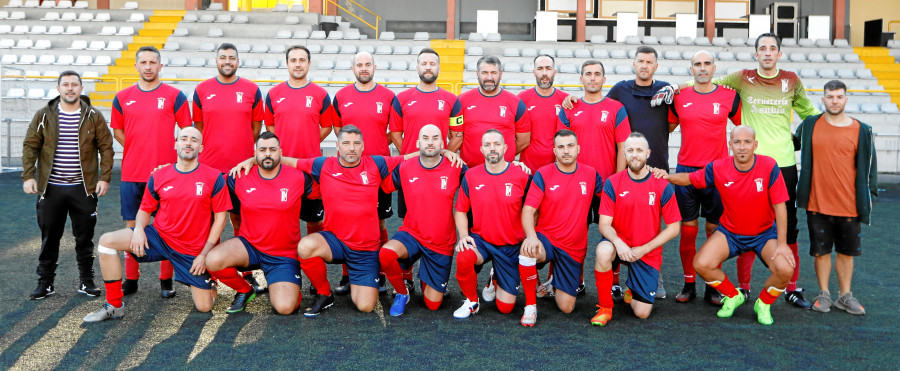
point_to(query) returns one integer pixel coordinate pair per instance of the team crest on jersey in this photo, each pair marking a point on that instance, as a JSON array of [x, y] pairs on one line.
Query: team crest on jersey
[[759, 184], [441, 104], [508, 189], [309, 101], [652, 199], [365, 177], [502, 111], [558, 107], [378, 106], [240, 96], [604, 115], [160, 102], [199, 188], [284, 194], [583, 187], [444, 182], [784, 85], [715, 108]]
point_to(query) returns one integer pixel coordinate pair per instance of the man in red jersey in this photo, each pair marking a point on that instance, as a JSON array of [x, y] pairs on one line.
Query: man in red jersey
[[543, 103], [494, 192], [754, 219], [703, 113], [184, 196], [561, 194], [633, 202], [371, 108], [144, 117], [429, 184], [269, 200], [299, 111], [492, 107]]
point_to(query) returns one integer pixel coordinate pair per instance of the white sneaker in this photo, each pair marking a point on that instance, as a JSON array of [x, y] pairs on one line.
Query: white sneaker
[[105, 312], [489, 293], [468, 307], [530, 316], [660, 289], [546, 289]]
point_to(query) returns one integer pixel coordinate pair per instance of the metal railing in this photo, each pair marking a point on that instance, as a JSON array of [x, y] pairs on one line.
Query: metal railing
[[377, 17]]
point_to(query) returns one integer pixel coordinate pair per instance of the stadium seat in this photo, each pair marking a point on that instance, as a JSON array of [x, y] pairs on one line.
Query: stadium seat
[[889, 108], [260, 48], [19, 29], [83, 60], [252, 63], [189, 18], [386, 36], [102, 60], [797, 57], [827, 73], [342, 64], [317, 35], [869, 108], [685, 41], [864, 73], [725, 56], [301, 34], [744, 57], [42, 44], [206, 18], [845, 73], [196, 62], [330, 49], [823, 43], [280, 8], [568, 68], [65, 60], [348, 49], [81, 4], [7, 43], [215, 7], [808, 73], [475, 36], [702, 41], [565, 53], [737, 41], [324, 64], [27, 59], [130, 5], [841, 43], [583, 53], [622, 69], [37, 30], [598, 39], [547, 51], [9, 59], [474, 51], [788, 43], [672, 55], [5, 29], [512, 67], [206, 47], [241, 19], [180, 32], [816, 58], [402, 50], [215, 32], [269, 64], [335, 35], [13, 4], [352, 34], [421, 36], [223, 18], [398, 66], [529, 52], [618, 54], [663, 70], [283, 34], [601, 54], [719, 41], [806, 43], [35, 93], [171, 46], [851, 108], [104, 17], [73, 30], [366, 48], [383, 50], [277, 49], [297, 8], [49, 16], [242, 47], [851, 58], [680, 71], [471, 66], [96, 45], [136, 17], [178, 62], [46, 59], [833, 58], [650, 40], [667, 40], [24, 44], [17, 16], [511, 52], [15, 93], [56, 30], [52, 93], [314, 48], [632, 40], [107, 31]]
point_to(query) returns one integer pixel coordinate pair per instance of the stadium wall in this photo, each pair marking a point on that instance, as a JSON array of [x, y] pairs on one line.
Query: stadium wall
[[888, 10]]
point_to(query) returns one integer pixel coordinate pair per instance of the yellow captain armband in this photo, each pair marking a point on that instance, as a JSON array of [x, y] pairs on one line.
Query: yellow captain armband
[[456, 121]]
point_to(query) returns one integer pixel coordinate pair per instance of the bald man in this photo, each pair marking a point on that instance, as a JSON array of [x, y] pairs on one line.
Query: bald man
[[183, 196], [371, 108], [428, 184], [754, 219]]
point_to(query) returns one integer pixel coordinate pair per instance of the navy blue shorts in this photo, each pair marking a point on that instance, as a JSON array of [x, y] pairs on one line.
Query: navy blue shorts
[[385, 205], [311, 210], [362, 266], [434, 269], [276, 268], [566, 271], [693, 202], [643, 280], [159, 250], [130, 196], [506, 263], [739, 244]]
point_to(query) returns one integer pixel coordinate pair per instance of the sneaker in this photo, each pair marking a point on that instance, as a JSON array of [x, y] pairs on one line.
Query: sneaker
[[88, 288], [105, 312], [687, 293], [343, 287], [546, 289], [848, 303], [489, 293], [322, 303], [745, 292], [43, 290], [660, 289], [580, 290], [626, 298], [602, 317], [530, 316], [129, 287], [823, 302], [399, 305], [729, 304], [468, 307], [796, 297], [410, 286], [617, 293], [257, 288], [382, 284], [165, 289], [713, 296], [240, 301], [763, 312], [311, 290]]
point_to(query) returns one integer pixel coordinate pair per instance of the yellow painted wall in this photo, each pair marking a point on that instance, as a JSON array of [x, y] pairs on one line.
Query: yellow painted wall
[[867, 10]]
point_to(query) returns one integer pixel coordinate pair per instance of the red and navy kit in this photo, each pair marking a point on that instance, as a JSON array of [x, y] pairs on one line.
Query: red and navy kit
[[636, 207], [420, 108], [226, 111], [703, 118], [271, 209], [350, 194], [542, 112], [747, 196], [504, 112], [184, 204], [371, 111], [429, 194], [148, 119], [496, 202], [600, 127], [297, 115], [563, 200]]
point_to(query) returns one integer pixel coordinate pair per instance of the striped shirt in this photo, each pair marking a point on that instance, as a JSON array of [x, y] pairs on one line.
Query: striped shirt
[[66, 168]]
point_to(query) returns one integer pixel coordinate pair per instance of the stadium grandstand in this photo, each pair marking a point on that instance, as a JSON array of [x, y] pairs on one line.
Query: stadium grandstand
[[823, 40]]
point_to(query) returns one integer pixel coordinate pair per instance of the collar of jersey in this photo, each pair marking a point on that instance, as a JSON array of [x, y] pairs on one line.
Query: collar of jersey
[[748, 170], [544, 96], [272, 178], [777, 72], [147, 91], [308, 82], [491, 96], [591, 104], [227, 83], [560, 170], [694, 87], [500, 173], [427, 92], [366, 91], [175, 166], [644, 179], [435, 166]]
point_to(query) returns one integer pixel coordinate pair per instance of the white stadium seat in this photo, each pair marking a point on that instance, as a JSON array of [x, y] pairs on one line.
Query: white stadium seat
[[421, 36], [386, 35], [103, 17], [85, 17], [42, 44], [136, 17], [96, 45], [107, 31], [49, 16], [83, 60], [73, 30], [125, 31]]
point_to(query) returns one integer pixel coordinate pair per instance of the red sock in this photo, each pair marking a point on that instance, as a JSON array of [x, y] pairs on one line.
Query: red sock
[[432, 305], [725, 287], [505, 308], [384, 236], [407, 274], [317, 273], [392, 270], [465, 274], [769, 294], [604, 288], [313, 228], [745, 269], [528, 273], [792, 285], [232, 278], [166, 270], [114, 293], [132, 268], [344, 270], [247, 273], [687, 246]]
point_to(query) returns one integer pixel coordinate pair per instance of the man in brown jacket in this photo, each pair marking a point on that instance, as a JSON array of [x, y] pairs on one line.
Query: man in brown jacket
[[60, 165]]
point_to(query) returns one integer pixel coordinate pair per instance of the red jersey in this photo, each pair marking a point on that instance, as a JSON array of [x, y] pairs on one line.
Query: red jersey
[[704, 122], [747, 196], [420, 108], [542, 112], [226, 111], [496, 203], [297, 115], [600, 127], [148, 119], [504, 112], [563, 200], [270, 209], [429, 194], [184, 203], [371, 111], [636, 207], [350, 194]]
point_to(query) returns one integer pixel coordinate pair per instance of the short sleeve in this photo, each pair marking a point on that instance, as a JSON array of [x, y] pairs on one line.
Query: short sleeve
[[523, 121], [221, 200], [182, 110], [623, 126], [257, 114], [670, 211], [608, 199], [197, 108], [535, 191], [777, 188], [703, 178]]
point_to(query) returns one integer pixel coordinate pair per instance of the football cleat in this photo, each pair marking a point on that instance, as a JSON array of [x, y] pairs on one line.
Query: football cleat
[[343, 287], [796, 297], [617, 293], [165, 289], [546, 289], [105, 312], [687, 293], [468, 307], [660, 289], [240, 301], [626, 298], [763, 312], [322, 303], [579, 291], [257, 288], [489, 293], [129, 287], [382, 284], [729, 304], [602, 317], [712, 296], [530, 316], [399, 305]]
